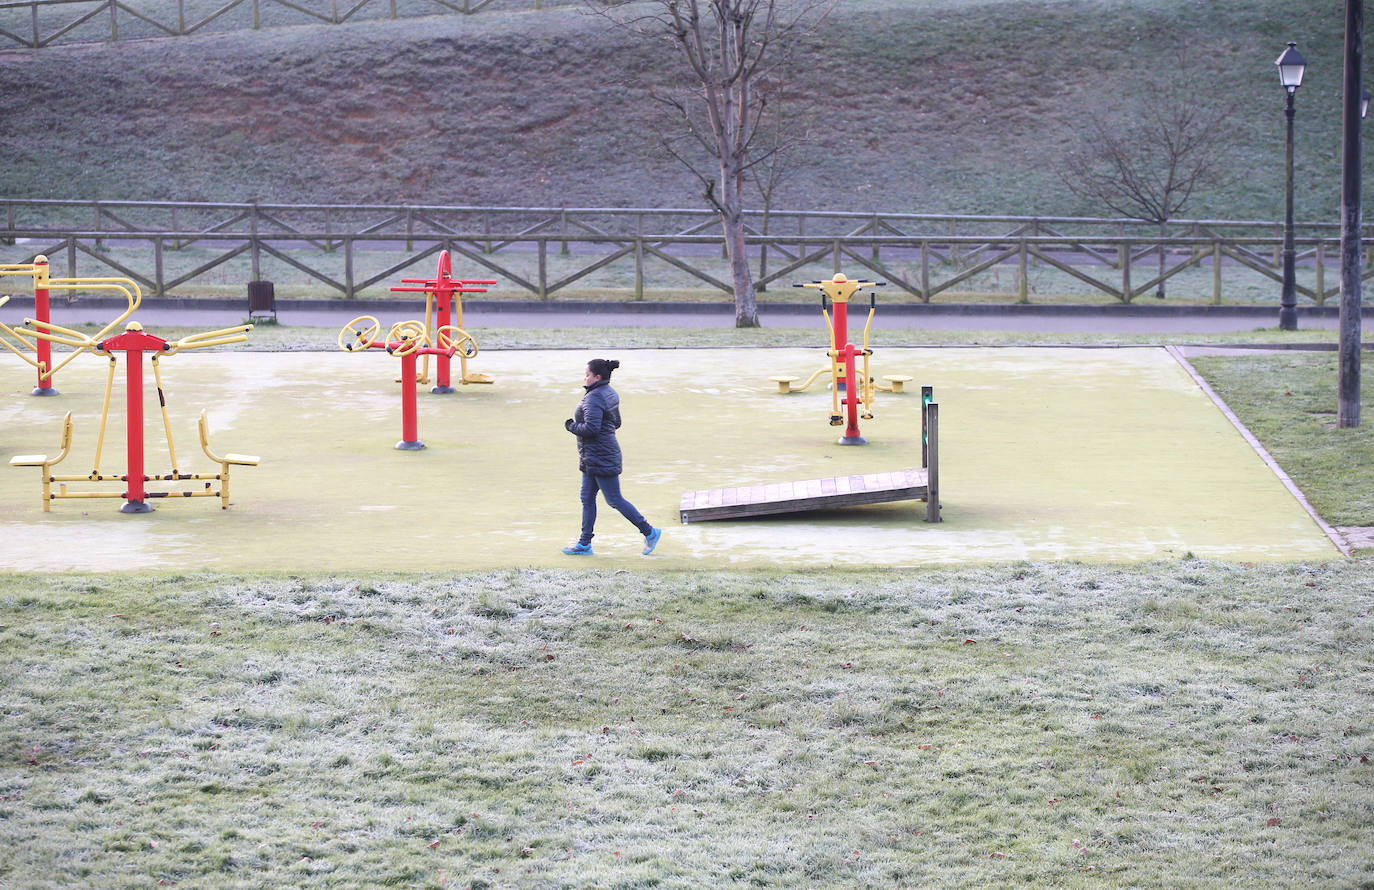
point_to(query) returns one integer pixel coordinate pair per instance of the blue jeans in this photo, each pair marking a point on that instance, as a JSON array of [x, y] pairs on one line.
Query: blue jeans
[[609, 486]]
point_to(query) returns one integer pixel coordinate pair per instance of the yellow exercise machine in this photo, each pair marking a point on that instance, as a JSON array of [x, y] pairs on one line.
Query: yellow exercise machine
[[857, 387], [41, 349], [133, 342], [408, 340], [443, 301]]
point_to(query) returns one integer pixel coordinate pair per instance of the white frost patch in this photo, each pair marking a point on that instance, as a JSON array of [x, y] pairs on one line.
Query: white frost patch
[[130, 543]]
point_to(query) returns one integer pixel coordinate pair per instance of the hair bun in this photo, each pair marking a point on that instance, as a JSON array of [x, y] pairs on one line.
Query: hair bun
[[612, 363]]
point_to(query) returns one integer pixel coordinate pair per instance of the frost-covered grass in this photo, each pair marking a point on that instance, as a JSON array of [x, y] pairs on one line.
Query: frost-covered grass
[[1175, 725], [1289, 402]]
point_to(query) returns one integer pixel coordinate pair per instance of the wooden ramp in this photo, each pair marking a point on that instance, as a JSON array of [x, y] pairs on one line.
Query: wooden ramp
[[837, 491], [812, 494]]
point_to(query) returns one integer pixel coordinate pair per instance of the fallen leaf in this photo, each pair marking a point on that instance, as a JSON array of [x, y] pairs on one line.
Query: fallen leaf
[[1274, 822]]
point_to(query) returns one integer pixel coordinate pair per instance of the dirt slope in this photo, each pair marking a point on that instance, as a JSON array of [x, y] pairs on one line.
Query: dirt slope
[[922, 106]]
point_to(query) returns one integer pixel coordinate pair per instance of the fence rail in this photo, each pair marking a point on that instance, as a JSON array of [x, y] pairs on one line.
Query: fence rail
[[182, 248], [41, 23]]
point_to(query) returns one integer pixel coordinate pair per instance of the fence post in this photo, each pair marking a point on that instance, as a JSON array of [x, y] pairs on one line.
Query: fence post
[[157, 267], [253, 236], [393, 9], [181, 17], [348, 267], [410, 228], [639, 255], [835, 253], [925, 271], [114, 25], [763, 261], [1125, 260], [543, 292], [1321, 274], [36, 42], [486, 224], [563, 230], [257, 20], [1216, 272], [1023, 273], [71, 257]]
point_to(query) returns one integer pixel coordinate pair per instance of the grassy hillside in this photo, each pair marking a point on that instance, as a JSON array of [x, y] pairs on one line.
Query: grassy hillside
[[922, 106]]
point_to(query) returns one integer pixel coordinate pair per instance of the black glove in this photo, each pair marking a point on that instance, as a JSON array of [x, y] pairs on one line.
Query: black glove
[[567, 424]]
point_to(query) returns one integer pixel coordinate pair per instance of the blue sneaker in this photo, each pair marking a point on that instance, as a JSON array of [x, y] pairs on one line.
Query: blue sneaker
[[651, 540], [578, 549]]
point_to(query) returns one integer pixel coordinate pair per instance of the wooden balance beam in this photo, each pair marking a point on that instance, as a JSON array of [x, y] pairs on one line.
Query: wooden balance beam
[[824, 494]]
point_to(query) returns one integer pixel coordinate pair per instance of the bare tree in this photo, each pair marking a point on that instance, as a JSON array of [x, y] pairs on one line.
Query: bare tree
[[731, 47], [1147, 163]]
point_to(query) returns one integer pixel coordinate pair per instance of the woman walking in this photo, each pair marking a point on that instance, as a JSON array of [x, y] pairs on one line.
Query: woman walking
[[598, 456]]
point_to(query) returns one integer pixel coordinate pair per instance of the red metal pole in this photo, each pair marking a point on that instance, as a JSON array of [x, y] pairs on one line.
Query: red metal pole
[[841, 325], [136, 496], [42, 312], [445, 313], [851, 397], [845, 352], [410, 425], [444, 294]]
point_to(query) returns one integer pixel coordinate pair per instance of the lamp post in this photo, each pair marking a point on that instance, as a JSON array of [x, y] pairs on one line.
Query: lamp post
[[1291, 66], [1352, 223]]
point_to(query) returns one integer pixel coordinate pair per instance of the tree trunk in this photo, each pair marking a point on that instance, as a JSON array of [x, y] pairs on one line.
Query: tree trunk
[[742, 278], [732, 227]]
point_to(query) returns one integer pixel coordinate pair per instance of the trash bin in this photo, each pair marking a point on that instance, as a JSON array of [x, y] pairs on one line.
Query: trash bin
[[262, 300]]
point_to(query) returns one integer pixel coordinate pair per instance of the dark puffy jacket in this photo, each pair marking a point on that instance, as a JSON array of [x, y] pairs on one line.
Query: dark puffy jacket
[[594, 423]]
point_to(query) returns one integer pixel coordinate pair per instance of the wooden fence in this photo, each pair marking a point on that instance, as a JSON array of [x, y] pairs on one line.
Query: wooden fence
[[39, 23], [182, 248]]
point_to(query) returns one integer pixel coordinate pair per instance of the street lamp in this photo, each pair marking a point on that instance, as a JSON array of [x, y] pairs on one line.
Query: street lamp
[[1291, 68]]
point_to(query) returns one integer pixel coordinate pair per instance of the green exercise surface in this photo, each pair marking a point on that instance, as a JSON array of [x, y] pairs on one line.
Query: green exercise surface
[[1045, 454]]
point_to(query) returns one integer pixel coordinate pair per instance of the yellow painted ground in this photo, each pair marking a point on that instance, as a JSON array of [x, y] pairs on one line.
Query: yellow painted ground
[[1093, 454]]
